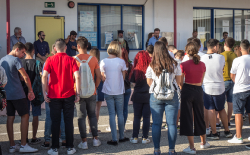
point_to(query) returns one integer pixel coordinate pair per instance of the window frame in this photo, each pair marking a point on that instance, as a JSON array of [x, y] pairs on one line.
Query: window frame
[[99, 21], [212, 17]]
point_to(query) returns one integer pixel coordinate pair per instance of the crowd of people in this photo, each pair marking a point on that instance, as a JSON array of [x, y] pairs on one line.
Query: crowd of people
[[191, 87]]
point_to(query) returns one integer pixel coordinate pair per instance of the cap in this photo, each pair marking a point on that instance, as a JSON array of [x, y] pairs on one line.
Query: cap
[[73, 33], [120, 31]]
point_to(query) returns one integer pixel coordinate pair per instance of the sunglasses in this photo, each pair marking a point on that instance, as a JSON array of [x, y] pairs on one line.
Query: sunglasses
[[43, 35]]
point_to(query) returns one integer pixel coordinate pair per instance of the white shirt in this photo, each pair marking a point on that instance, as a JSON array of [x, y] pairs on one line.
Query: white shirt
[[213, 83], [171, 54], [241, 67], [112, 68], [186, 58], [151, 74]]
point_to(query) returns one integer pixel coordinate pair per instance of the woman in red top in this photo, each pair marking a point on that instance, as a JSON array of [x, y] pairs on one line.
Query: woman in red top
[[192, 99]]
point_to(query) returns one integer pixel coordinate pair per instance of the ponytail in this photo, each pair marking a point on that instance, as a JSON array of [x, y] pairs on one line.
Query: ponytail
[[196, 59]]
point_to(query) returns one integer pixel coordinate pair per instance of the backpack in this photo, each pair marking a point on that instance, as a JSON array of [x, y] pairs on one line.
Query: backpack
[[37, 87], [164, 88], [87, 82]]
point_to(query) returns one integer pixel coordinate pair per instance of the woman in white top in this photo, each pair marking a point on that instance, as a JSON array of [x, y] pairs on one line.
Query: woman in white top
[[113, 70], [162, 60]]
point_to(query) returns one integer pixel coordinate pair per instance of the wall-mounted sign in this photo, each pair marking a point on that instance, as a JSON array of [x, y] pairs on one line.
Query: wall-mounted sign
[[49, 4], [49, 12]]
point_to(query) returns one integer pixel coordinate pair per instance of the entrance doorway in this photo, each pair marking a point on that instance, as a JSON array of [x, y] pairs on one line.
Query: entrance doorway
[[53, 27]]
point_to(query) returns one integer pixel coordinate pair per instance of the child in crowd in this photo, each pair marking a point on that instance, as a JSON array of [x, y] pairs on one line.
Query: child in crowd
[[221, 49], [165, 41], [237, 51], [172, 49], [150, 50]]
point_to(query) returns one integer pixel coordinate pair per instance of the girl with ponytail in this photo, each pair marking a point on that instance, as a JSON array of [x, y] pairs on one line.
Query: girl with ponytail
[[192, 105]]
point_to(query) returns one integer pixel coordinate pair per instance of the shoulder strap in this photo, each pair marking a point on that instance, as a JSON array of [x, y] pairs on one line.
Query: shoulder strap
[[89, 59], [37, 67], [77, 59]]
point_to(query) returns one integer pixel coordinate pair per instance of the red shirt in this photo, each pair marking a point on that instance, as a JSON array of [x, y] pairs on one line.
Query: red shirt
[[193, 73], [61, 68]]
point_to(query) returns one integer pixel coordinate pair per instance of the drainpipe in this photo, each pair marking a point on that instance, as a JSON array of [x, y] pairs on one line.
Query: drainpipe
[[175, 24], [8, 25], [154, 14]]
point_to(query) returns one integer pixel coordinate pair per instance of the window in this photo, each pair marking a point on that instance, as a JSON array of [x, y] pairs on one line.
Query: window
[[202, 24], [101, 22], [241, 24]]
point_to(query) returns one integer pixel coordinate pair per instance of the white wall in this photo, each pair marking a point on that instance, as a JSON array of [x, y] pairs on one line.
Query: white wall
[[185, 14], [3, 42]]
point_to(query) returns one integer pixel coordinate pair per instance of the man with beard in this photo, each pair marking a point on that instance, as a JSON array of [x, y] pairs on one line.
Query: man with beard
[[122, 41], [41, 48], [17, 37], [156, 37]]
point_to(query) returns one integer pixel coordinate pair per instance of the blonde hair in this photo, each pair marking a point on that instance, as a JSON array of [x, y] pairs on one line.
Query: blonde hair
[[95, 53], [53, 49], [114, 49]]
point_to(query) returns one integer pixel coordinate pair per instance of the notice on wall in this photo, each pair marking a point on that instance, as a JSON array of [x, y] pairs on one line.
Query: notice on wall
[[108, 37], [86, 21], [169, 36], [247, 21], [237, 21], [225, 22], [201, 32], [225, 29], [91, 36], [237, 32]]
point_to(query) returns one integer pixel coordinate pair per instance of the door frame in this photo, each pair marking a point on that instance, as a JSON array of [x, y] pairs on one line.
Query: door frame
[[46, 16]]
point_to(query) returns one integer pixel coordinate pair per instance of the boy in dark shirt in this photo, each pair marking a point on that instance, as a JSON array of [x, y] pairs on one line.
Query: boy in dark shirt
[[29, 64]]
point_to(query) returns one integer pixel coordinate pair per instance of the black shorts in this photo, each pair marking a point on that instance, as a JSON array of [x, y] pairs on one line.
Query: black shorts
[[20, 106]]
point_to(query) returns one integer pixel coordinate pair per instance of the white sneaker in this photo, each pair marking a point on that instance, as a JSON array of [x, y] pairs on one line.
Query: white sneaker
[[96, 142], [27, 149], [13, 149], [134, 140], [248, 138], [71, 150], [83, 146], [53, 152], [145, 141], [207, 145], [108, 129], [189, 151], [207, 131], [236, 140]]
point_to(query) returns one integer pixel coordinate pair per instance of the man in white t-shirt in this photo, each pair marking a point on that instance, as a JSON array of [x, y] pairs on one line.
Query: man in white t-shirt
[[214, 88], [240, 74], [198, 42]]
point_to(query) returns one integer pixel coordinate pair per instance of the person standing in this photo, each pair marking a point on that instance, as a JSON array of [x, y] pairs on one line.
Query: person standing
[[225, 35], [90, 79], [240, 75], [17, 37], [41, 47], [141, 97], [71, 44], [165, 41], [229, 85], [198, 43], [192, 109], [122, 41], [162, 61], [155, 38], [61, 94], [214, 88], [113, 70], [195, 34], [150, 35], [16, 99]]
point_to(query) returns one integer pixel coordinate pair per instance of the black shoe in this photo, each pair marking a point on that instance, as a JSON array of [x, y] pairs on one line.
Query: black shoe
[[229, 125], [124, 139], [46, 146], [35, 141], [112, 143], [63, 145], [215, 136], [228, 134], [27, 141], [248, 146], [218, 126], [244, 118]]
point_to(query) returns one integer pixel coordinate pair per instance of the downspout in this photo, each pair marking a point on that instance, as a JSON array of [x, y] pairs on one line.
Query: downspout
[[8, 25], [153, 13], [175, 25]]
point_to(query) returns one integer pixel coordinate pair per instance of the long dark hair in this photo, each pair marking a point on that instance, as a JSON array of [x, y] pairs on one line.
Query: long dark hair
[[150, 35], [192, 50], [124, 54], [161, 59]]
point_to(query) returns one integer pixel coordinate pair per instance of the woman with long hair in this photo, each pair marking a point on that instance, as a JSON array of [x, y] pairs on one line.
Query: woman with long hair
[[192, 105], [150, 35], [161, 60], [141, 97], [124, 56], [113, 70]]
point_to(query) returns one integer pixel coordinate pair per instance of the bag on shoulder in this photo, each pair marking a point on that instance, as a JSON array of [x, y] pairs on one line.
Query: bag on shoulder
[[164, 88], [37, 87], [87, 81]]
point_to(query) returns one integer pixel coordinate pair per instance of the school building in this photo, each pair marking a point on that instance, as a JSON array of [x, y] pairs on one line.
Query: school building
[[99, 20]]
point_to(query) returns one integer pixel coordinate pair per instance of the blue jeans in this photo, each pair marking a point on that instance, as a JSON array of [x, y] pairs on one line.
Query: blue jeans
[[115, 106], [48, 122], [229, 86], [171, 110], [125, 107], [241, 101]]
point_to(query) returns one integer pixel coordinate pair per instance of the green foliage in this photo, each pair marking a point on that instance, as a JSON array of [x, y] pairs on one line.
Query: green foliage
[[236, 43]]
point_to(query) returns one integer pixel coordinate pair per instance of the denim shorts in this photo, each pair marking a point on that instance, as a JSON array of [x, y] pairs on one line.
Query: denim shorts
[[36, 110], [229, 85], [241, 101], [216, 102], [99, 93]]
